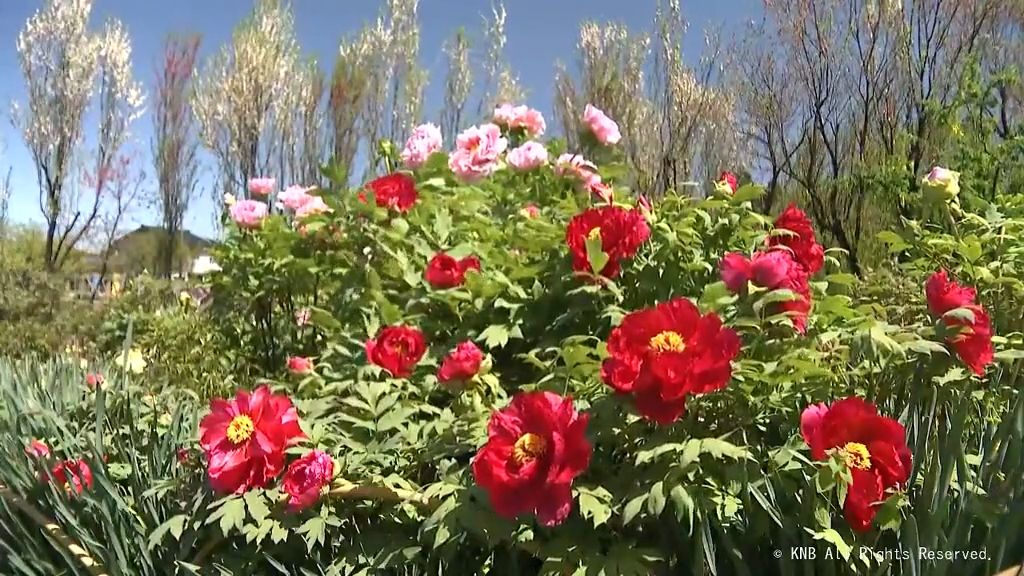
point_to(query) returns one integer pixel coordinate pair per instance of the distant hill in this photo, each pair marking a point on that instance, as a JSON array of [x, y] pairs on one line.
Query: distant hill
[[139, 250]]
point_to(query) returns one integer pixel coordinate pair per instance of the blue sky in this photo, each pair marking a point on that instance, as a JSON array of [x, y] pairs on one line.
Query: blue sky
[[540, 32]]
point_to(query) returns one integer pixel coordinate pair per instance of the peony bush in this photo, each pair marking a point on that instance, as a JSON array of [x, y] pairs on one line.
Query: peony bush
[[483, 362]]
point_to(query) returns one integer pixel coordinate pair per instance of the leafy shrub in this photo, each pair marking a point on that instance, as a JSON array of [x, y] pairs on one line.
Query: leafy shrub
[[725, 486]]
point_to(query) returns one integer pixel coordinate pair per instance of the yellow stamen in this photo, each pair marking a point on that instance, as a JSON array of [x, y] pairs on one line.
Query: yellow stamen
[[240, 429], [594, 234], [856, 455], [668, 341], [528, 448]]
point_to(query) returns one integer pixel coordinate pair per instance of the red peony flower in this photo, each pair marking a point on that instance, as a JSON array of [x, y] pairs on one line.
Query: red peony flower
[[396, 191], [535, 447], [660, 355], [93, 380], [944, 295], [305, 479], [37, 449], [461, 364], [873, 446], [397, 349], [973, 343], [300, 365], [772, 270], [72, 475], [444, 271], [245, 438], [730, 179], [801, 242], [621, 231]]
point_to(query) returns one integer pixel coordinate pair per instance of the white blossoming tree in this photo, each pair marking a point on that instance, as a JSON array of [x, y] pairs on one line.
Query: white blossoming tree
[[65, 66]]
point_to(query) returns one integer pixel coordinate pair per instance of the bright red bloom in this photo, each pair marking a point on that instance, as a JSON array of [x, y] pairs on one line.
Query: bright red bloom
[[245, 438], [300, 365], [444, 271], [397, 349], [622, 232], [730, 179], [535, 447], [801, 242], [663, 354], [461, 364], [944, 295], [973, 342], [93, 379], [396, 191], [72, 475], [772, 270], [37, 449], [305, 479], [873, 446]]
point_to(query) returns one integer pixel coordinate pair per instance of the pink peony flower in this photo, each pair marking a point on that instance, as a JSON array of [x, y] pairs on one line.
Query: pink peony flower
[[424, 141], [513, 117], [585, 173], [249, 214], [300, 365], [530, 211], [528, 156], [644, 204], [294, 197], [305, 479], [604, 128], [603, 191], [302, 317], [261, 186], [477, 151], [37, 449], [735, 271], [314, 206]]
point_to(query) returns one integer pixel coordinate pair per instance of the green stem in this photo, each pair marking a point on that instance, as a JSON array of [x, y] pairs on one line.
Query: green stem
[[51, 528]]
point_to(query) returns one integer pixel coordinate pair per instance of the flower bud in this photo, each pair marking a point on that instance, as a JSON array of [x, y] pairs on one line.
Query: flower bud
[[941, 185]]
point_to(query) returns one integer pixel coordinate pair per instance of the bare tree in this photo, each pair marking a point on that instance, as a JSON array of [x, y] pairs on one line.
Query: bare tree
[[694, 125], [352, 84], [174, 143], [124, 184], [458, 83], [500, 84]]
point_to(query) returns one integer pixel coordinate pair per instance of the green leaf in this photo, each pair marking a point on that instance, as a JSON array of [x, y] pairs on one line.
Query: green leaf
[[656, 499], [175, 525], [442, 226], [747, 192], [683, 504], [893, 240], [595, 504], [1009, 355], [965, 314], [258, 509], [595, 255], [231, 514], [495, 336], [313, 531], [834, 538], [632, 508]]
